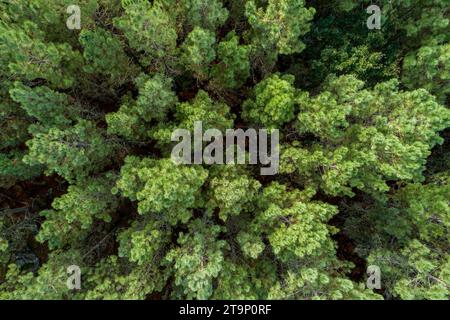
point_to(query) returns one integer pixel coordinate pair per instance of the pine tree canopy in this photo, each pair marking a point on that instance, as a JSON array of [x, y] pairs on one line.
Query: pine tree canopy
[[93, 93]]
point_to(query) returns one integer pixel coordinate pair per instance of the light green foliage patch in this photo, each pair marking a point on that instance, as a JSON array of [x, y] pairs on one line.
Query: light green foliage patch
[[86, 124]]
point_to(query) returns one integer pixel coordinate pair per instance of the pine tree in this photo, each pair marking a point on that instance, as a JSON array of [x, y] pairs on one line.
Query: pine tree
[[87, 179]]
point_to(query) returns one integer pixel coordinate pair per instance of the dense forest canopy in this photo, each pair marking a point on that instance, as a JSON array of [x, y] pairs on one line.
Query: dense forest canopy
[[86, 176]]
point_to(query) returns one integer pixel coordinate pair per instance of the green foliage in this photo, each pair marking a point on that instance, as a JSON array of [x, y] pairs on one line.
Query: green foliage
[[364, 139], [313, 283], [276, 28], [142, 242], [213, 114], [26, 56], [154, 102], [198, 52], [14, 124], [233, 68], [150, 31], [232, 191], [274, 102], [160, 186], [72, 152], [294, 227], [279, 25], [111, 279], [422, 20], [74, 212], [207, 14], [48, 284], [13, 169], [429, 68], [47, 106], [359, 61], [51, 17], [412, 241], [104, 55], [366, 136], [197, 261], [245, 281]]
